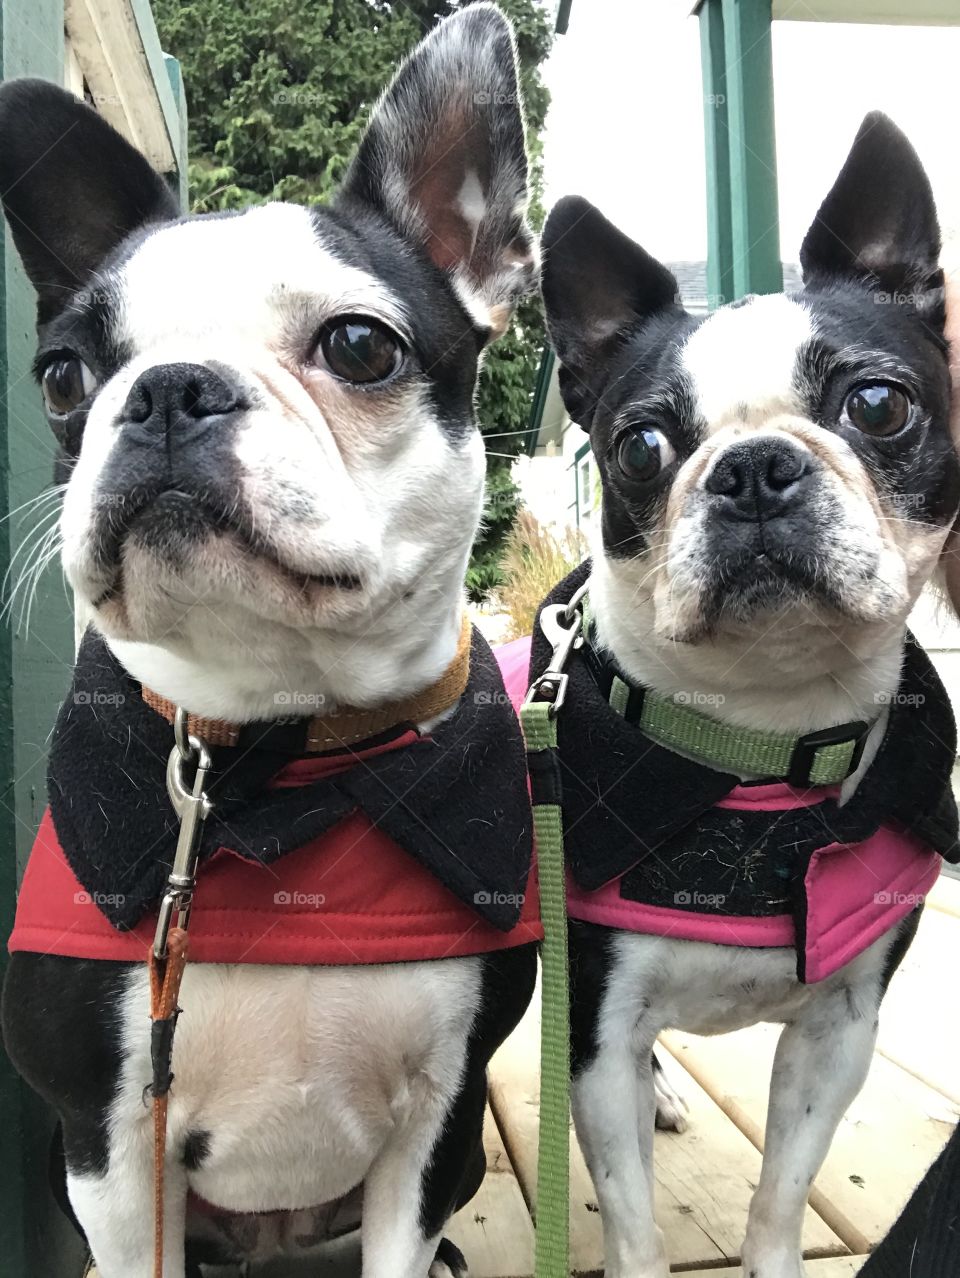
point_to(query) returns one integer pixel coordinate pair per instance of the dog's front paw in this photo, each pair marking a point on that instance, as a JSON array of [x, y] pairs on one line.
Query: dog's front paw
[[448, 1262], [773, 1263]]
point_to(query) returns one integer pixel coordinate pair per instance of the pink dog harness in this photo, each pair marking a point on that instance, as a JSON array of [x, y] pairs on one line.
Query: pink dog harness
[[852, 893], [660, 844]]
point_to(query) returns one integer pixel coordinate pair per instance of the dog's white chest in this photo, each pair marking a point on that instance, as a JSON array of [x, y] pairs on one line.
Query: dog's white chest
[[712, 989], [297, 1077]]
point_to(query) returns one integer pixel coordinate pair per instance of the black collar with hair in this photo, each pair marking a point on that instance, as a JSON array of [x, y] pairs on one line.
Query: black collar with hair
[[455, 799]]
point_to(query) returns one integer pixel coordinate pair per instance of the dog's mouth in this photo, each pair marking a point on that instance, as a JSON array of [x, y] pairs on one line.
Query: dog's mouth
[[166, 523], [746, 584]]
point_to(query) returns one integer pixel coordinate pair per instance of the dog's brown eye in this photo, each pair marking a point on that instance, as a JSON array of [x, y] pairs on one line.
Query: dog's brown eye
[[644, 453], [66, 382], [878, 409], [360, 350]]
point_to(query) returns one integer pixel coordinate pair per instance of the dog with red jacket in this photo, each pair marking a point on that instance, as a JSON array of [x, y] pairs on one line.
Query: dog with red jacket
[[272, 479]]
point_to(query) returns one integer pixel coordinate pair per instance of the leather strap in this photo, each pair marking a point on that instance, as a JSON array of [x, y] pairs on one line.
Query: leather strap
[[348, 724], [166, 976]]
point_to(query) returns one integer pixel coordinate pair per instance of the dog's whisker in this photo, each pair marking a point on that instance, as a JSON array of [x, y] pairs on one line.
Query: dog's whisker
[[43, 547]]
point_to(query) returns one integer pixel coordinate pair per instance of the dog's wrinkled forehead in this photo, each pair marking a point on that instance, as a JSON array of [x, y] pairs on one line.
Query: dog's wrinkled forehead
[[258, 275]]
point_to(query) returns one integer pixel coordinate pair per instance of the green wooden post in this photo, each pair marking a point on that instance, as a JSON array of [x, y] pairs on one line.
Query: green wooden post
[[175, 76], [35, 1238], [752, 146], [720, 286]]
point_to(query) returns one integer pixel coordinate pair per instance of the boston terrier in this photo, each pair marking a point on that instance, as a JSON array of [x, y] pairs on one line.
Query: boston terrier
[[273, 476], [755, 753]]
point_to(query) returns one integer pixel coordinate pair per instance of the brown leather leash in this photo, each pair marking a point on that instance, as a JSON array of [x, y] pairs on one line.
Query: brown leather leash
[[167, 957], [168, 954], [166, 975]]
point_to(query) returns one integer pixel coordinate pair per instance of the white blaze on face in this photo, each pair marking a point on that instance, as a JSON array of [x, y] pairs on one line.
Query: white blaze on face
[[742, 360], [230, 280]]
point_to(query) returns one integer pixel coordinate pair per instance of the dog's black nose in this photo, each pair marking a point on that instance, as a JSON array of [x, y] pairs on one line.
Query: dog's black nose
[[178, 398], [759, 479]]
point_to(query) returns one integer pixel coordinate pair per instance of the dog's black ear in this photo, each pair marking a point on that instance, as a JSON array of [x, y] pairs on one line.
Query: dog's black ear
[[72, 188], [597, 286], [444, 160], [879, 222]]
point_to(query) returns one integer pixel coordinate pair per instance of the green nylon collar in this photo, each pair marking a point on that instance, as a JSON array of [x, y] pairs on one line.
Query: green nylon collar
[[826, 757]]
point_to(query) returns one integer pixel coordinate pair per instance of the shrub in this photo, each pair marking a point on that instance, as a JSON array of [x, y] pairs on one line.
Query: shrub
[[534, 560]]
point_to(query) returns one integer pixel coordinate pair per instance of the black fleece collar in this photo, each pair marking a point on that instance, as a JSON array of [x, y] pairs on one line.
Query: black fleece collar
[[628, 800], [456, 800]]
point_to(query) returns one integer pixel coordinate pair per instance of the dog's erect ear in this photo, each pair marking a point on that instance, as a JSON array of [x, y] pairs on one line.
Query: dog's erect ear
[[597, 285], [879, 222], [444, 160], [72, 188]]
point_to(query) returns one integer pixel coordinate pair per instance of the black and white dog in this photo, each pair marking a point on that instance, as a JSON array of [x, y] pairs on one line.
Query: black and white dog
[[778, 482], [306, 376]]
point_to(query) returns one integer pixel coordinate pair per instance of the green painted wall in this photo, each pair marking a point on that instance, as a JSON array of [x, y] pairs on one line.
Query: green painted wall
[[35, 1239]]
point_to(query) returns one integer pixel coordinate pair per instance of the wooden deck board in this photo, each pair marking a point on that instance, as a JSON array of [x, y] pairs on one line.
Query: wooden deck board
[[705, 1177], [945, 895], [918, 1027], [835, 1267], [495, 1231], [887, 1140]]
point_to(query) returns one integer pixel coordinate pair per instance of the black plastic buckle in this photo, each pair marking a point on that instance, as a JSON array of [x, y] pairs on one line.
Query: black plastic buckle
[[805, 751]]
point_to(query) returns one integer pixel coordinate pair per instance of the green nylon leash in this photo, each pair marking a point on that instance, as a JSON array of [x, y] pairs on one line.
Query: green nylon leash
[[817, 758], [553, 1161], [562, 625]]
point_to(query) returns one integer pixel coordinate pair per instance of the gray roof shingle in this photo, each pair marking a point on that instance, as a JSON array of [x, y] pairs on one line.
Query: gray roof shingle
[[692, 278]]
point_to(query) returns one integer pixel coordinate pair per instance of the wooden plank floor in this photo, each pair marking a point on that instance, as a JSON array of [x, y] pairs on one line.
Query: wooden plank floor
[[705, 1176]]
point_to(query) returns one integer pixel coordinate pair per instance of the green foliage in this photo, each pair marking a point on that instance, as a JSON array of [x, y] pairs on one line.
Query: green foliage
[[279, 92]]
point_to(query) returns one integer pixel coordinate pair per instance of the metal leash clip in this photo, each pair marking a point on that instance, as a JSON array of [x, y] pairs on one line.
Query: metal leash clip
[[192, 806], [562, 624]]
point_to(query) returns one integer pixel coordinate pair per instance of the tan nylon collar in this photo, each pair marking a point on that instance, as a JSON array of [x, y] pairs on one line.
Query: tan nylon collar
[[349, 724]]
